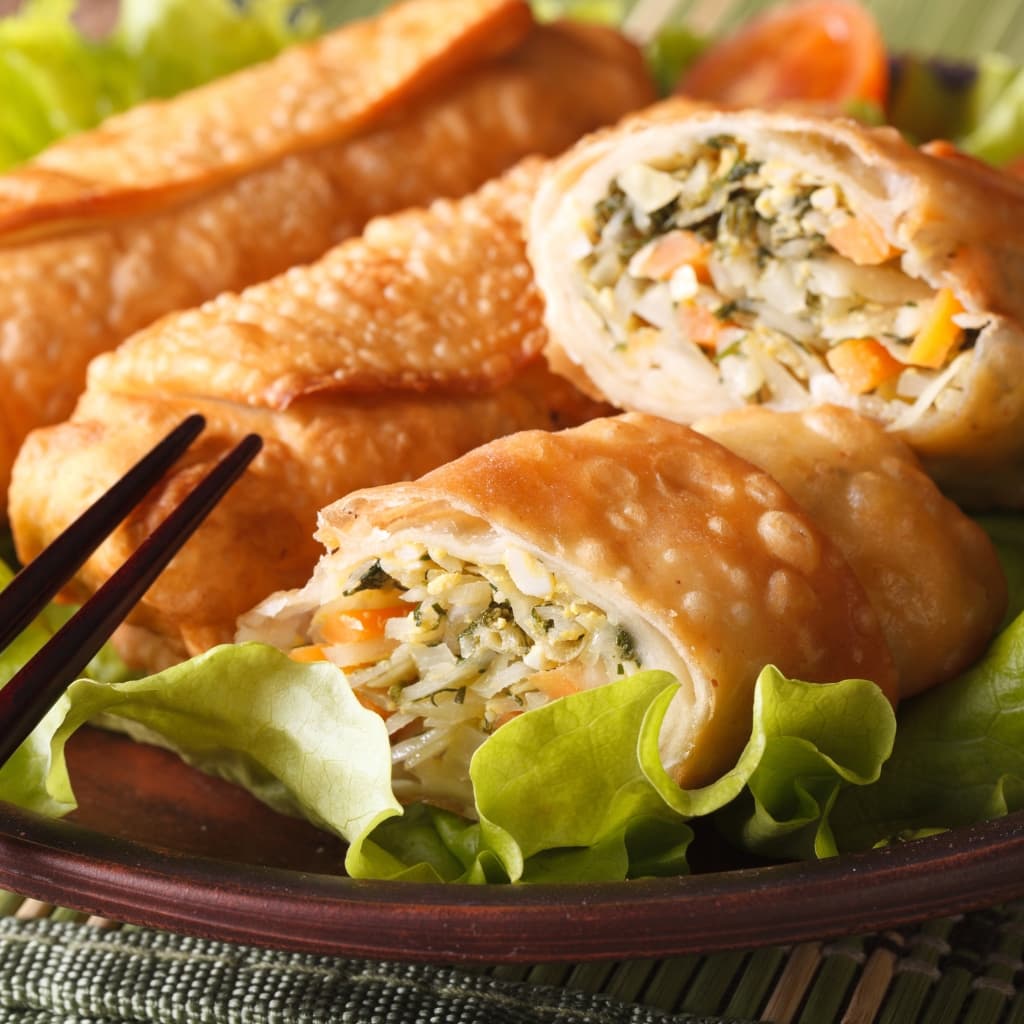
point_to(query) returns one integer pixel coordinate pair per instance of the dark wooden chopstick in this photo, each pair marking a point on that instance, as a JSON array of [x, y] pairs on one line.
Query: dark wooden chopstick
[[38, 685], [26, 595]]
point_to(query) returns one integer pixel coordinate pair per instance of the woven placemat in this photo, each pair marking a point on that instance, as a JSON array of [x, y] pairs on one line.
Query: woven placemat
[[58, 965]]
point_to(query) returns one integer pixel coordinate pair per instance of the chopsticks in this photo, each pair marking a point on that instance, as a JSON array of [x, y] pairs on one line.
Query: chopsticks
[[38, 685]]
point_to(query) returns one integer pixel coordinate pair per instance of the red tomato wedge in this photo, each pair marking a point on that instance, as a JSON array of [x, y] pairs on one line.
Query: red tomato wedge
[[814, 51]]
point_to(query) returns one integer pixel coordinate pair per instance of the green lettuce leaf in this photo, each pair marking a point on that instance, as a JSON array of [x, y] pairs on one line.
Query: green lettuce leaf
[[571, 791], [561, 795], [812, 742], [55, 80], [959, 752], [576, 791], [293, 735], [178, 44], [994, 128], [958, 756], [35, 776], [980, 105], [926, 102], [1007, 534]]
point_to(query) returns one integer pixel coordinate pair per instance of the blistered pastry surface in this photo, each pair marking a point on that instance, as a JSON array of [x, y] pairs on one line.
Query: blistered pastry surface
[[931, 572], [436, 297]]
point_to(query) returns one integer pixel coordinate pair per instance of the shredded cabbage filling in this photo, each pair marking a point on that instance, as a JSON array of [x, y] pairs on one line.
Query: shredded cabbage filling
[[755, 277], [447, 651]]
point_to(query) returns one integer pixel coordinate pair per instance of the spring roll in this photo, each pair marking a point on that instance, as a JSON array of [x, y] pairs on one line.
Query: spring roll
[[695, 261], [546, 563], [931, 573], [389, 356], [166, 206]]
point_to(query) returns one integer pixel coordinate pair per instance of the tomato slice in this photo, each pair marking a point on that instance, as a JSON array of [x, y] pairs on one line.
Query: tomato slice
[[816, 51]]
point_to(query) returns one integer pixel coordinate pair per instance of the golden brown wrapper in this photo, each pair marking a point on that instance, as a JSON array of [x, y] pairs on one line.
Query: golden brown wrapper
[[456, 280], [321, 440], [931, 572], [311, 95], [114, 252], [713, 569], [955, 224]]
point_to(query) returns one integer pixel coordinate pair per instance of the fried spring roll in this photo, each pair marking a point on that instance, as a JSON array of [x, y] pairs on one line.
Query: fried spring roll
[[167, 205], [695, 261], [543, 564], [931, 572], [391, 355]]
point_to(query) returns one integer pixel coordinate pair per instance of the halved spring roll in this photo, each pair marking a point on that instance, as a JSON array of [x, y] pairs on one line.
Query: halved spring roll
[[543, 564], [695, 261], [174, 202], [392, 354]]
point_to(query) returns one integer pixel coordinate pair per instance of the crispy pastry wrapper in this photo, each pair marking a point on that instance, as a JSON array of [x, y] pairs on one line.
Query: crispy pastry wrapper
[[172, 203], [949, 225], [351, 369], [708, 565], [930, 571]]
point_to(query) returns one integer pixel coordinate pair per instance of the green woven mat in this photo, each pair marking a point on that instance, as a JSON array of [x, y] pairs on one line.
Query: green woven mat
[[58, 971], [56, 965]]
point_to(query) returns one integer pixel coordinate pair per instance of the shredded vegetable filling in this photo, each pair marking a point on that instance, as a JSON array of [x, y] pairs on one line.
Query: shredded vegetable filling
[[448, 651], [753, 275]]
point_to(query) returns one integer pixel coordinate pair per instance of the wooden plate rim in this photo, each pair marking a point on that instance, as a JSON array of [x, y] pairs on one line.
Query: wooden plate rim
[[65, 864]]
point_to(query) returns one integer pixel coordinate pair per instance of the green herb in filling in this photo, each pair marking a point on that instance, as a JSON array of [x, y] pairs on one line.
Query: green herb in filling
[[374, 578], [626, 644]]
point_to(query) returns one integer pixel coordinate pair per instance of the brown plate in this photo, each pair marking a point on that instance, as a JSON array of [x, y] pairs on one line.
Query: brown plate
[[156, 843]]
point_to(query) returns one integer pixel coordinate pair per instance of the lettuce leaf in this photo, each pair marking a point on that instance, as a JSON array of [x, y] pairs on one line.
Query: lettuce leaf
[[55, 80], [178, 44], [979, 105], [561, 795], [995, 124], [1007, 534], [576, 791], [958, 756], [36, 776], [571, 791]]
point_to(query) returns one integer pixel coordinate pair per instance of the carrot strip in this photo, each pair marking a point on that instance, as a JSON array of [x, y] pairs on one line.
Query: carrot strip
[[354, 625], [699, 324], [557, 682], [939, 337], [860, 240], [862, 364], [660, 260], [309, 653]]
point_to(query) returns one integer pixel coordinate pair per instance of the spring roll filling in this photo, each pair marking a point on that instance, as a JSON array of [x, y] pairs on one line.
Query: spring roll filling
[[763, 281], [447, 651]]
